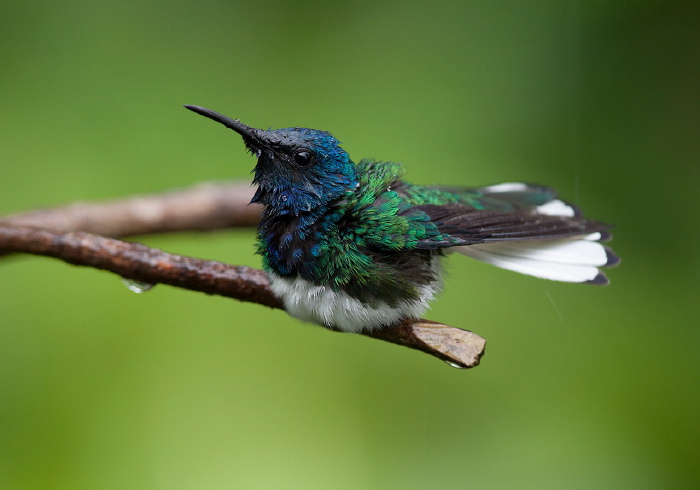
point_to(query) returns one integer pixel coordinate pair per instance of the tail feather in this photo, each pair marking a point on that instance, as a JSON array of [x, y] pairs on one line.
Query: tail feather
[[573, 259], [569, 259], [525, 228]]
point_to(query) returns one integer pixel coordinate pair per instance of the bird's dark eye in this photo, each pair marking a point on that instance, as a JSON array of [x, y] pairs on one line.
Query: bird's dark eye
[[303, 158]]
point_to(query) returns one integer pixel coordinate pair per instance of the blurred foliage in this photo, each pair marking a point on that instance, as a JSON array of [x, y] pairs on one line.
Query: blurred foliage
[[582, 387]]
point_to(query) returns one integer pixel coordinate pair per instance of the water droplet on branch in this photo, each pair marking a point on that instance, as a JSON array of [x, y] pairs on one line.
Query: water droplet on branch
[[455, 365], [137, 286]]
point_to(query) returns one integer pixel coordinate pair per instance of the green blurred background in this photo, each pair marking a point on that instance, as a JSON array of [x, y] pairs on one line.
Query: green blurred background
[[581, 387]]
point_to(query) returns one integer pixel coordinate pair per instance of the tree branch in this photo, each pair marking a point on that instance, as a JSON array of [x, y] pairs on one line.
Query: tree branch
[[204, 207]]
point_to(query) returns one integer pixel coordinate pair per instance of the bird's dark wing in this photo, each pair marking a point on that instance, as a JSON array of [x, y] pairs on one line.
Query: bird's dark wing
[[404, 216], [515, 226], [458, 224]]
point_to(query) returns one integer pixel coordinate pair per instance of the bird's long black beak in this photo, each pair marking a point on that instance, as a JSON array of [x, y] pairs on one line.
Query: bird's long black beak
[[249, 134]]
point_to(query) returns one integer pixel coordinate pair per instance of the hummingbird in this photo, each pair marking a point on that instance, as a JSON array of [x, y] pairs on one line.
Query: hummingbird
[[355, 247]]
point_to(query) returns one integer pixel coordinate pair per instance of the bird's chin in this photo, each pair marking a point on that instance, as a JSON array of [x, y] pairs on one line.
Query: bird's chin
[[253, 149]]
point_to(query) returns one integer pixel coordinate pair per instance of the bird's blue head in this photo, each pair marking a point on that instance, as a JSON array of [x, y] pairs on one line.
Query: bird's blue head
[[299, 169]]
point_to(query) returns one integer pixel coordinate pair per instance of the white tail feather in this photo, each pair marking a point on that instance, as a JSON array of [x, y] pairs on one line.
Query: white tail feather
[[574, 259], [556, 208], [506, 187]]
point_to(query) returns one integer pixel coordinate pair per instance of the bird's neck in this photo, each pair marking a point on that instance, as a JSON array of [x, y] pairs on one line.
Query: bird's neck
[[290, 242]]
